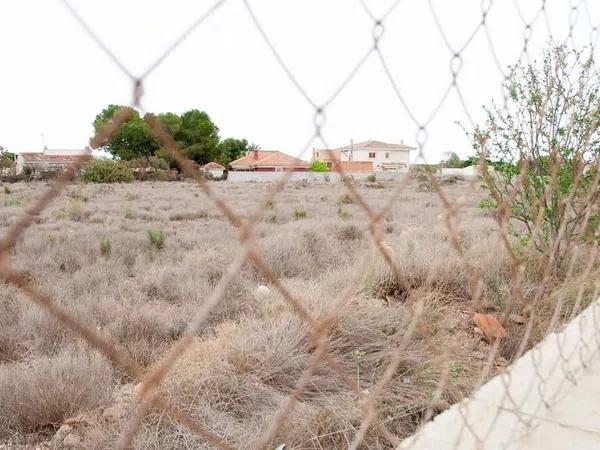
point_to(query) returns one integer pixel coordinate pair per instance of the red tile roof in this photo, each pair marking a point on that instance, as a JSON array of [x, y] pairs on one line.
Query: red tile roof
[[267, 158]]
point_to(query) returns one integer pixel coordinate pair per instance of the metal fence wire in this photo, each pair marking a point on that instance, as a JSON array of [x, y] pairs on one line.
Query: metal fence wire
[[580, 18]]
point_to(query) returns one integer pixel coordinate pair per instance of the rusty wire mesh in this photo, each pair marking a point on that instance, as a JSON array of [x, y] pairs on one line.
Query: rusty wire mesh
[[579, 16]]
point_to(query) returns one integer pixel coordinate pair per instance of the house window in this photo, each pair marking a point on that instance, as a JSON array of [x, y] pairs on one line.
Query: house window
[[387, 155], [371, 154]]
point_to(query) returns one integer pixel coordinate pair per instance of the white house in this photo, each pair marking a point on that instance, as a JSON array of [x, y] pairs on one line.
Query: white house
[[384, 156]]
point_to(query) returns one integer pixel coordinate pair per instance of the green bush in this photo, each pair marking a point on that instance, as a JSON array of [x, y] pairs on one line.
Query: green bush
[[156, 238], [7, 189], [318, 166], [371, 178], [106, 171]]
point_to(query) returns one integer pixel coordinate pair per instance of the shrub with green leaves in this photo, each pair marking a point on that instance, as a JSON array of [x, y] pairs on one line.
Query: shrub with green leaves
[[544, 147], [156, 238], [372, 178], [318, 166], [487, 203], [7, 189], [106, 171]]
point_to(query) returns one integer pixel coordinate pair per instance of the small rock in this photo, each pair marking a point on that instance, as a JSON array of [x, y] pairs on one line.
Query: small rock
[[71, 440], [262, 291], [61, 434], [406, 380]]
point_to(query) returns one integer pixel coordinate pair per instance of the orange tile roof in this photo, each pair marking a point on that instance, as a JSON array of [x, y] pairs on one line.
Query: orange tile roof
[[267, 158]]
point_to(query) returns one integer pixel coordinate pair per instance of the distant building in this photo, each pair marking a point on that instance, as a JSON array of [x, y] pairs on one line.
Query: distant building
[[50, 160], [269, 161], [382, 155], [213, 168]]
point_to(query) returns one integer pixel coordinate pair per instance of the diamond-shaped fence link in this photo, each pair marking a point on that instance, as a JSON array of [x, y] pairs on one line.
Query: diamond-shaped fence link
[[582, 259]]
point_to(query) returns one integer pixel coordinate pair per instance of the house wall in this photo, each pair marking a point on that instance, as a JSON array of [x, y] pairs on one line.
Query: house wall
[[216, 172], [395, 156]]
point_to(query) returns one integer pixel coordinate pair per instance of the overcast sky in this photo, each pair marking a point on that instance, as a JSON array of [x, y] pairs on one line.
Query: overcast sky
[[55, 78]]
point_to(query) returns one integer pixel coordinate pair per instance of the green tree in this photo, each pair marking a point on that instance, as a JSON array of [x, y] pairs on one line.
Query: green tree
[[545, 146], [318, 166], [452, 160], [131, 140], [231, 149]]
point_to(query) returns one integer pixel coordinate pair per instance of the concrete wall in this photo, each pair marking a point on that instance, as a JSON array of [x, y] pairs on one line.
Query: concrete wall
[[470, 171], [317, 177], [547, 399]]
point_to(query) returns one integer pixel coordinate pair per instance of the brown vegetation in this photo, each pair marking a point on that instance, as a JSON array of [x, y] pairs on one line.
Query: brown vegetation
[[251, 352]]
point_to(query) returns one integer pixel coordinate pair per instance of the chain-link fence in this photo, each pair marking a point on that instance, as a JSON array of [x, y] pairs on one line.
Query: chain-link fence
[[559, 243]]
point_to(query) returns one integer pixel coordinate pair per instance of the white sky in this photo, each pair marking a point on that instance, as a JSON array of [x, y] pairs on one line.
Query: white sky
[[54, 78]]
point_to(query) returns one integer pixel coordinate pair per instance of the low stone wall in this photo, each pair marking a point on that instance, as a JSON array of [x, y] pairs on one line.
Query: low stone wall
[[470, 171], [316, 177], [546, 399]]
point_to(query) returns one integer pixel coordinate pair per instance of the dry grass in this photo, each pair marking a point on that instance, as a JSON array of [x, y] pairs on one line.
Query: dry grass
[[252, 349]]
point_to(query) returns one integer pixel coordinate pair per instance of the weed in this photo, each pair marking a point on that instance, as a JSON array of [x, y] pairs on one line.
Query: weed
[[75, 210], [12, 202], [105, 247], [299, 213], [345, 199], [372, 178], [342, 213], [350, 233], [410, 246], [487, 203], [359, 363], [7, 189], [77, 195], [60, 214], [129, 214], [456, 368], [156, 238]]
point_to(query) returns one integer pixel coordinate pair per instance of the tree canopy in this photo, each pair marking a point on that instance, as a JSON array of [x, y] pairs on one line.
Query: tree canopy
[[194, 131]]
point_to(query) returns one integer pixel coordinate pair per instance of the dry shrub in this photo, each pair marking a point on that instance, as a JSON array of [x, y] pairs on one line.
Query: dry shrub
[[144, 333], [304, 253], [40, 393], [186, 215], [236, 380]]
